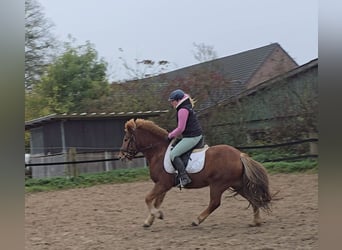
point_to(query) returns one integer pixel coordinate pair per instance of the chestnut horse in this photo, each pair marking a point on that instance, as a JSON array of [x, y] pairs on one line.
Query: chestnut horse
[[225, 168]]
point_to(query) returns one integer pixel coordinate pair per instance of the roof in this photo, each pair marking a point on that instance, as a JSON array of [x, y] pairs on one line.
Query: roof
[[300, 69], [291, 73], [85, 116], [238, 67]]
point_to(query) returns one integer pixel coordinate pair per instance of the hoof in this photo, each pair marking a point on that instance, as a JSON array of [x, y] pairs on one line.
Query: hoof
[[161, 215], [194, 224], [146, 225], [255, 224]]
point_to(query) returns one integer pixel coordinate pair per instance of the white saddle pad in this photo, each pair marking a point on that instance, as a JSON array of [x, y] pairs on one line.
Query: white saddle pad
[[195, 163]]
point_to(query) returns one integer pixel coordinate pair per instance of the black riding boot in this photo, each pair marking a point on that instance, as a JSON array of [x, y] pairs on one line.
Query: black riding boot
[[183, 177]]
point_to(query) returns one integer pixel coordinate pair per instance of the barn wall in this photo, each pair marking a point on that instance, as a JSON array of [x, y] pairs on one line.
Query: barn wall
[[37, 141], [285, 107], [94, 135], [52, 138], [288, 98], [278, 63]]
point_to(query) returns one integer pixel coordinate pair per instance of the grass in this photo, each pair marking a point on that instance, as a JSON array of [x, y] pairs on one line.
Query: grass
[[87, 180], [292, 167], [142, 174]]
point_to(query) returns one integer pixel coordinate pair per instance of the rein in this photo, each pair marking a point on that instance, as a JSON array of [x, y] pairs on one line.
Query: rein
[[150, 146]]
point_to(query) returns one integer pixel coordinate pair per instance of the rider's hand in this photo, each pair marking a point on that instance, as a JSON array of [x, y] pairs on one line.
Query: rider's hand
[[167, 138]]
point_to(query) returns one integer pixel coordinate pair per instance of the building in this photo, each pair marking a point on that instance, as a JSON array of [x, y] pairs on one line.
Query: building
[[237, 73], [284, 107], [246, 104], [79, 137]]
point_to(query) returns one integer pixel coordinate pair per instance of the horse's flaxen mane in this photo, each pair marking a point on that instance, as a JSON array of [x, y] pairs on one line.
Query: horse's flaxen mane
[[150, 126], [147, 125]]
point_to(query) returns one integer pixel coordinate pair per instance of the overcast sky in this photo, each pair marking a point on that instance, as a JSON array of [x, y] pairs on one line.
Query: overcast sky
[[167, 29]]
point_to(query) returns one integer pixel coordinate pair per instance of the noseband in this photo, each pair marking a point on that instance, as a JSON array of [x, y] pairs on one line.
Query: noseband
[[131, 149]]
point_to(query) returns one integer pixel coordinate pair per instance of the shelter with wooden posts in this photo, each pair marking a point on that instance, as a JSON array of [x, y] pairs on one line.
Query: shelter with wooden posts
[[79, 137]]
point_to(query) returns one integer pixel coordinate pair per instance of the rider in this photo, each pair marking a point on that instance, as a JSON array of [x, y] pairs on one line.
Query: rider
[[188, 127]]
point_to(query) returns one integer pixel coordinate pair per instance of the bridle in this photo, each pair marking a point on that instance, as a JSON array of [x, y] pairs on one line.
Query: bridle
[[132, 150]]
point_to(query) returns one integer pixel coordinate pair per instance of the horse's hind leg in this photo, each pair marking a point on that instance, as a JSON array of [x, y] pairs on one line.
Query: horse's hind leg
[[215, 201], [256, 219], [256, 212]]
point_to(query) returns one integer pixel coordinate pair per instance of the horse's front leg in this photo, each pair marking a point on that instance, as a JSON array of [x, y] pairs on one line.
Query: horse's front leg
[[157, 203], [157, 194]]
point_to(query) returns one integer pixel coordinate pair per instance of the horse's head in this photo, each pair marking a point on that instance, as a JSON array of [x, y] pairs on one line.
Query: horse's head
[[129, 148], [141, 136]]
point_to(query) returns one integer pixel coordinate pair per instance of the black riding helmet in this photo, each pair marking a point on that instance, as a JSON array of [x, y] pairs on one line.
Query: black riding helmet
[[176, 95]]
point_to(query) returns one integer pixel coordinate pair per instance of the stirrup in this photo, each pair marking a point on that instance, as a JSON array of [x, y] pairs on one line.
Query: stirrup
[[182, 180]]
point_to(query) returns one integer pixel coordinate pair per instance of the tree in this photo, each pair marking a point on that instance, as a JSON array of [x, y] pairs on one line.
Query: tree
[[203, 52], [143, 68], [206, 83], [39, 42], [75, 81]]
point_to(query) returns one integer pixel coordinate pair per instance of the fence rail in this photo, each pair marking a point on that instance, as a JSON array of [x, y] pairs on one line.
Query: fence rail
[[289, 158], [279, 144], [292, 158], [238, 147]]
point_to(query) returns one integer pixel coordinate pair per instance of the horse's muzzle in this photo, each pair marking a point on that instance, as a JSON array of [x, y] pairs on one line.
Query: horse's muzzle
[[125, 155], [121, 155]]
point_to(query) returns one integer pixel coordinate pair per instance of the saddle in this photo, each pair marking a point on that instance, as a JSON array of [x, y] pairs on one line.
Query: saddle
[[186, 156]]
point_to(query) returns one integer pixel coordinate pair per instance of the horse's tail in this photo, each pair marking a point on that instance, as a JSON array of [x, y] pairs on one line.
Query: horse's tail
[[255, 186]]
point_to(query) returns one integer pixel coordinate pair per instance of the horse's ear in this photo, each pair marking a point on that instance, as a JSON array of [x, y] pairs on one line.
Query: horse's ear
[[130, 125]]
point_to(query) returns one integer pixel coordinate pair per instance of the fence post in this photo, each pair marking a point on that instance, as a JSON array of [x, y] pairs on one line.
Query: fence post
[[106, 153], [313, 145], [72, 168]]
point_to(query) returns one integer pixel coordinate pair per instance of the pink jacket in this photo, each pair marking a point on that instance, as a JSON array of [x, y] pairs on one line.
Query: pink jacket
[[182, 119]]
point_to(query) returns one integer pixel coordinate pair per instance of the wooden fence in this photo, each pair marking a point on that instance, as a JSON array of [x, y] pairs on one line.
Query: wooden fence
[[313, 149], [72, 170]]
